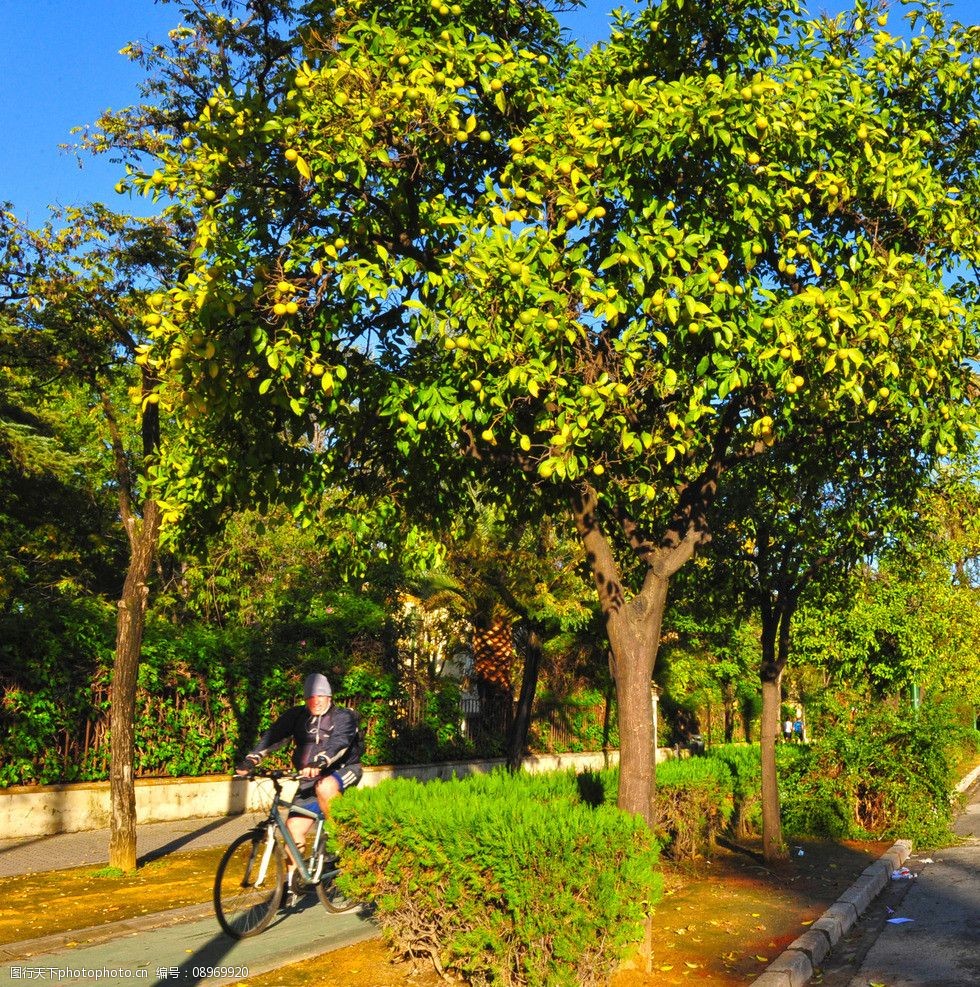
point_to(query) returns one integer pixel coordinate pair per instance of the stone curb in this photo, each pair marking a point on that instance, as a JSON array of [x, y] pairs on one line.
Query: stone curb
[[794, 967], [963, 785]]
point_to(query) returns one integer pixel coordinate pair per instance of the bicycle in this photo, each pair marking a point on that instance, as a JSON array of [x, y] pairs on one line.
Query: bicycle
[[249, 883]]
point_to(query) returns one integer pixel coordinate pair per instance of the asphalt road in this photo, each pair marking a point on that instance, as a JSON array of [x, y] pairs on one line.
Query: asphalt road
[[939, 944]]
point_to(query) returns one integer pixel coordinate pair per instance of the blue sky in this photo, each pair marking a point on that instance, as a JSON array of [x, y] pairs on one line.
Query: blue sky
[[61, 67]]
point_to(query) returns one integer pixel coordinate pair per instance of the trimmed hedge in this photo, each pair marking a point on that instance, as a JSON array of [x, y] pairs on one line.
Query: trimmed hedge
[[887, 772], [503, 879], [693, 805]]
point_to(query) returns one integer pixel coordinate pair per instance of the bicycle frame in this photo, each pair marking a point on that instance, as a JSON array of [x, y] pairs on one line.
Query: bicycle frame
[[275, 822]]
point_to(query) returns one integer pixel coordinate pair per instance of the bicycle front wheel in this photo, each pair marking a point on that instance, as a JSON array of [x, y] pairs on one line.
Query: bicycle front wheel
[[331, 898], [244, 899]]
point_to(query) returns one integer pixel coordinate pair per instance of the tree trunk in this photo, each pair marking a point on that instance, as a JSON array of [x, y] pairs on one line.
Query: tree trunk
[[633, 630], [728, 709], [775, 653], [129, 638], [493, 656], [517, 740], [634, 635], [772, 831]]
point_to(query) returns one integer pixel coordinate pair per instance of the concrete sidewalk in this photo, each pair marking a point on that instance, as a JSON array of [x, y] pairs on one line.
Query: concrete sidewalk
[[180, 946], [930, 942], [91, 847], [938, 943], [190, 952]]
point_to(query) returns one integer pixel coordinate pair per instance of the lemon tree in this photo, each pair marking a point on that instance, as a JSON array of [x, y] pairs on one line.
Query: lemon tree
[[433, 242]]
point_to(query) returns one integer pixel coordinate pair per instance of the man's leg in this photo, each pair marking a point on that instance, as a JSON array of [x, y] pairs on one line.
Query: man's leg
[[327, 789], [298, 827]]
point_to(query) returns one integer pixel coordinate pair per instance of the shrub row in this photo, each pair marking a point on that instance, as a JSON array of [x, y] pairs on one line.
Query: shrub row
[[514, 880], [205, 693], [885, 771]]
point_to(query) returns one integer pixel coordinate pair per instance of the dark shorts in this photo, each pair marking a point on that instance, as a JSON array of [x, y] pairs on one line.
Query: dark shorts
[[346, 777]]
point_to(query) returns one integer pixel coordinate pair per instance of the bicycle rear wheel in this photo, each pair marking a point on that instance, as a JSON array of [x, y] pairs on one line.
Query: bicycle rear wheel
[[331, 898], [245, 906]]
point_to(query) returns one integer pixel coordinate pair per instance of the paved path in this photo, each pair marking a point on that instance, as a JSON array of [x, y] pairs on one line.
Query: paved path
[[193, 952], [181, 947], [941, 945], [91, 847]]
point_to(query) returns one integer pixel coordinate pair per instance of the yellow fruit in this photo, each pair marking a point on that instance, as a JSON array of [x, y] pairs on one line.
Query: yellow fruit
[[291, 154]]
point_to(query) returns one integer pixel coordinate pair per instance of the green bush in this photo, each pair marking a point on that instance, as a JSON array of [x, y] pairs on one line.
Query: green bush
[[883, 770], [52, 673], [744, 766], [692, 806], [500, 878]]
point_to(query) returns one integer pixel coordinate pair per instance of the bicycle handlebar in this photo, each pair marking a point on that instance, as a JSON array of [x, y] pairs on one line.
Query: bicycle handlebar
[[276, 774]]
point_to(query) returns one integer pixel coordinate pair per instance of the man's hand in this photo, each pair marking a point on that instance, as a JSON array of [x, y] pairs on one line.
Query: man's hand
[[249, 764], [309, 771]]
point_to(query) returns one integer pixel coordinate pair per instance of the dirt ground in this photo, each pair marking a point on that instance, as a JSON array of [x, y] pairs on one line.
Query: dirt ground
[[721, 921]]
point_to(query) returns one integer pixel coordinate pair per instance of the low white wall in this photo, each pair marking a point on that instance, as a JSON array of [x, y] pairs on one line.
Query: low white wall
[[45, 810]]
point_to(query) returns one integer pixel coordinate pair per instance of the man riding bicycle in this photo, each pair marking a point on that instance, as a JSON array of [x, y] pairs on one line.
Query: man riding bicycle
[[327, 751]]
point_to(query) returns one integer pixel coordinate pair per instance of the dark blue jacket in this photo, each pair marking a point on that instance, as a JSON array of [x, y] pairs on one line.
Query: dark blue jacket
[[329, 741]]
